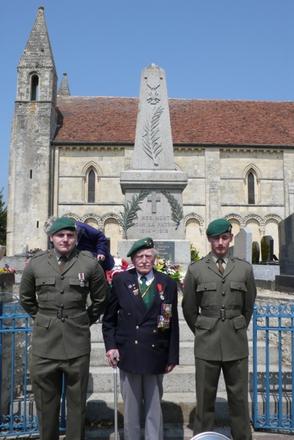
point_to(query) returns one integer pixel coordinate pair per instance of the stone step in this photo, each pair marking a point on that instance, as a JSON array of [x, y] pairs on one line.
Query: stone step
[[187, 353], [101, 379], [182, 378], [177, 407]]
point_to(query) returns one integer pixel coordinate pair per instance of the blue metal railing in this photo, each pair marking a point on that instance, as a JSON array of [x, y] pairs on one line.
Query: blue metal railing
[[18, 417], [273, 361]]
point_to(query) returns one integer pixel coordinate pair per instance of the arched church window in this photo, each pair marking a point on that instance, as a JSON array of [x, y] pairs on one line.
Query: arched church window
[[251, 188], [35, 87], [91, 185]]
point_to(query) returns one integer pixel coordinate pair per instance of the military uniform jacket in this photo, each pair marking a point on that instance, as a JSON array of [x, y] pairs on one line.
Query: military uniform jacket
[[133, 329], [218, 308], [58, 303]]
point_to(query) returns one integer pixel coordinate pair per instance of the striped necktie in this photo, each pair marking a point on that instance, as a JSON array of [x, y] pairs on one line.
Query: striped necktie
[[144, 286]]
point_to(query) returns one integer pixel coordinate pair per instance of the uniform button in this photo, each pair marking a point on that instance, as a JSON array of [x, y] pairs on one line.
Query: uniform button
[[62, 291], [136, 342], [62, 319], [154, 331], [153, 345], [137, 327], [62, 305], [223, 280], [62, 277], [223, 293]]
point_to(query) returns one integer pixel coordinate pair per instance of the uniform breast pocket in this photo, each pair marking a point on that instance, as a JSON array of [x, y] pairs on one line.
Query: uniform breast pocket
[[79, 286], [239, 289], [208, 292], [45, 286]]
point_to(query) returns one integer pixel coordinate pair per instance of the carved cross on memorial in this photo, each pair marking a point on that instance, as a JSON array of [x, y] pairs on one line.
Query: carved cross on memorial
[[153, 198]]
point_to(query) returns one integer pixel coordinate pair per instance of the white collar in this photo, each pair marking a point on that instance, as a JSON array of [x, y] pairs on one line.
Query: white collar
[[149, 277]]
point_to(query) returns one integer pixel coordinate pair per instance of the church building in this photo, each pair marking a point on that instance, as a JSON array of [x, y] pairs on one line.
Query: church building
[[67, 154]]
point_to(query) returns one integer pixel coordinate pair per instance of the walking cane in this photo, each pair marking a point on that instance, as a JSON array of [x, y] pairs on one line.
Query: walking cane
[[115, 403]]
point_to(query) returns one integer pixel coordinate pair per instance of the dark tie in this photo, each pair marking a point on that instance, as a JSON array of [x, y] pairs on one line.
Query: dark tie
[[62, 262], [144, 286], [220, 265]]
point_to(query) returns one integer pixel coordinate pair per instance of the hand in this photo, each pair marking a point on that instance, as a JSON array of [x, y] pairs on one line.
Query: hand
[[100, 257], [169, 368], [112, 357]]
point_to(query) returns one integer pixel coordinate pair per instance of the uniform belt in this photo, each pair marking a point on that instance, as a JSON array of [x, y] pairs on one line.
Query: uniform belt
[[62, 313], [222, 313]]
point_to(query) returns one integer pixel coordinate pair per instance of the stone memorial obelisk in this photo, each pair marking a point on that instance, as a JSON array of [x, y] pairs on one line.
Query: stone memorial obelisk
[[153, 186]]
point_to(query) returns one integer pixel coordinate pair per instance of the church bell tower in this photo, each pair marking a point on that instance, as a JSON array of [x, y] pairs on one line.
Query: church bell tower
[[31, 155]]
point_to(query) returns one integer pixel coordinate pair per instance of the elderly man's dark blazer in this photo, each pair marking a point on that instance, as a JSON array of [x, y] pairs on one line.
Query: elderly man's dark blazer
[[133, 329]]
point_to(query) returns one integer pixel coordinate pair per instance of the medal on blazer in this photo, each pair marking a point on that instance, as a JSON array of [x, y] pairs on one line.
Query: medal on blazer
[[160, 290], [134, 289], [163, 320], [81, 276]]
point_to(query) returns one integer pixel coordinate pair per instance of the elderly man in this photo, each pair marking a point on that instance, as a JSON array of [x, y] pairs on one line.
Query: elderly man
[[219, 294], [53, 290], [141, 335]]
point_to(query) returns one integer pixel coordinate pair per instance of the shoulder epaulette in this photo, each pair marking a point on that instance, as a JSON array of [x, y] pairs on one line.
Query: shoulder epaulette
[[243, 261], [39, 254], [87, 254]]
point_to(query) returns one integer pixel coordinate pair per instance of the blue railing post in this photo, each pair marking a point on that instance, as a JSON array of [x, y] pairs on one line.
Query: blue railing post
[[274, 324]]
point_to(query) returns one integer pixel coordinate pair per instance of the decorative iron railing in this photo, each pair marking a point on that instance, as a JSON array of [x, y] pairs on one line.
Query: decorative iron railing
[[18, 416], [273, 360]]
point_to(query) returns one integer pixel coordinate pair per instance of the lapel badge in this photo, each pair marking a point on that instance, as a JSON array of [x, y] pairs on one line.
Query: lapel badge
[[82, 279]]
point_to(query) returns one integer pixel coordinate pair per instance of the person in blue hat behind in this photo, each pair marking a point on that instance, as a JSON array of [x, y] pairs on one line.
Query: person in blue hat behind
[[141, 335], [218, 301]]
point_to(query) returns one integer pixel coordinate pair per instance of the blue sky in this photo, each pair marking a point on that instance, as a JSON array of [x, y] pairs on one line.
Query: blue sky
[[210, 49]]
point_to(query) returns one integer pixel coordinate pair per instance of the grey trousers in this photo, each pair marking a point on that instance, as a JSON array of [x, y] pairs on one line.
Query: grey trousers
[[135, 389], [46, 375]]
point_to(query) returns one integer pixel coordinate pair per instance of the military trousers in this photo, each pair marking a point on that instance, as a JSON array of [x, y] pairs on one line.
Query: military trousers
[[46, 377], [236, 380], [138, 389]]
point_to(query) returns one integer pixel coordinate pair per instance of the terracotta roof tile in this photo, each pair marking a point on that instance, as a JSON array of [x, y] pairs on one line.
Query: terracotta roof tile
[[198, 122]]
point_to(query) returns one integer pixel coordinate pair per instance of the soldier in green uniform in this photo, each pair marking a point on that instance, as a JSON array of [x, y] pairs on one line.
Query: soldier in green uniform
[[54, 290], [218, 301]]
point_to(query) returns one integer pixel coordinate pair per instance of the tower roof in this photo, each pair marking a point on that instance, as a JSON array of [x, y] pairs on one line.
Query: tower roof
[[64, 86], [38, 52]]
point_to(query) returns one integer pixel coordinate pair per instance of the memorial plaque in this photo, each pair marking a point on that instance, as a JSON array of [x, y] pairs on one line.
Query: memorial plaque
[[165, 249]]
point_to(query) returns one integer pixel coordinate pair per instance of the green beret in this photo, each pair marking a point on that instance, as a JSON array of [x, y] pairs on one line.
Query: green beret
[[62, 223], [144, 243], [218, 227]]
